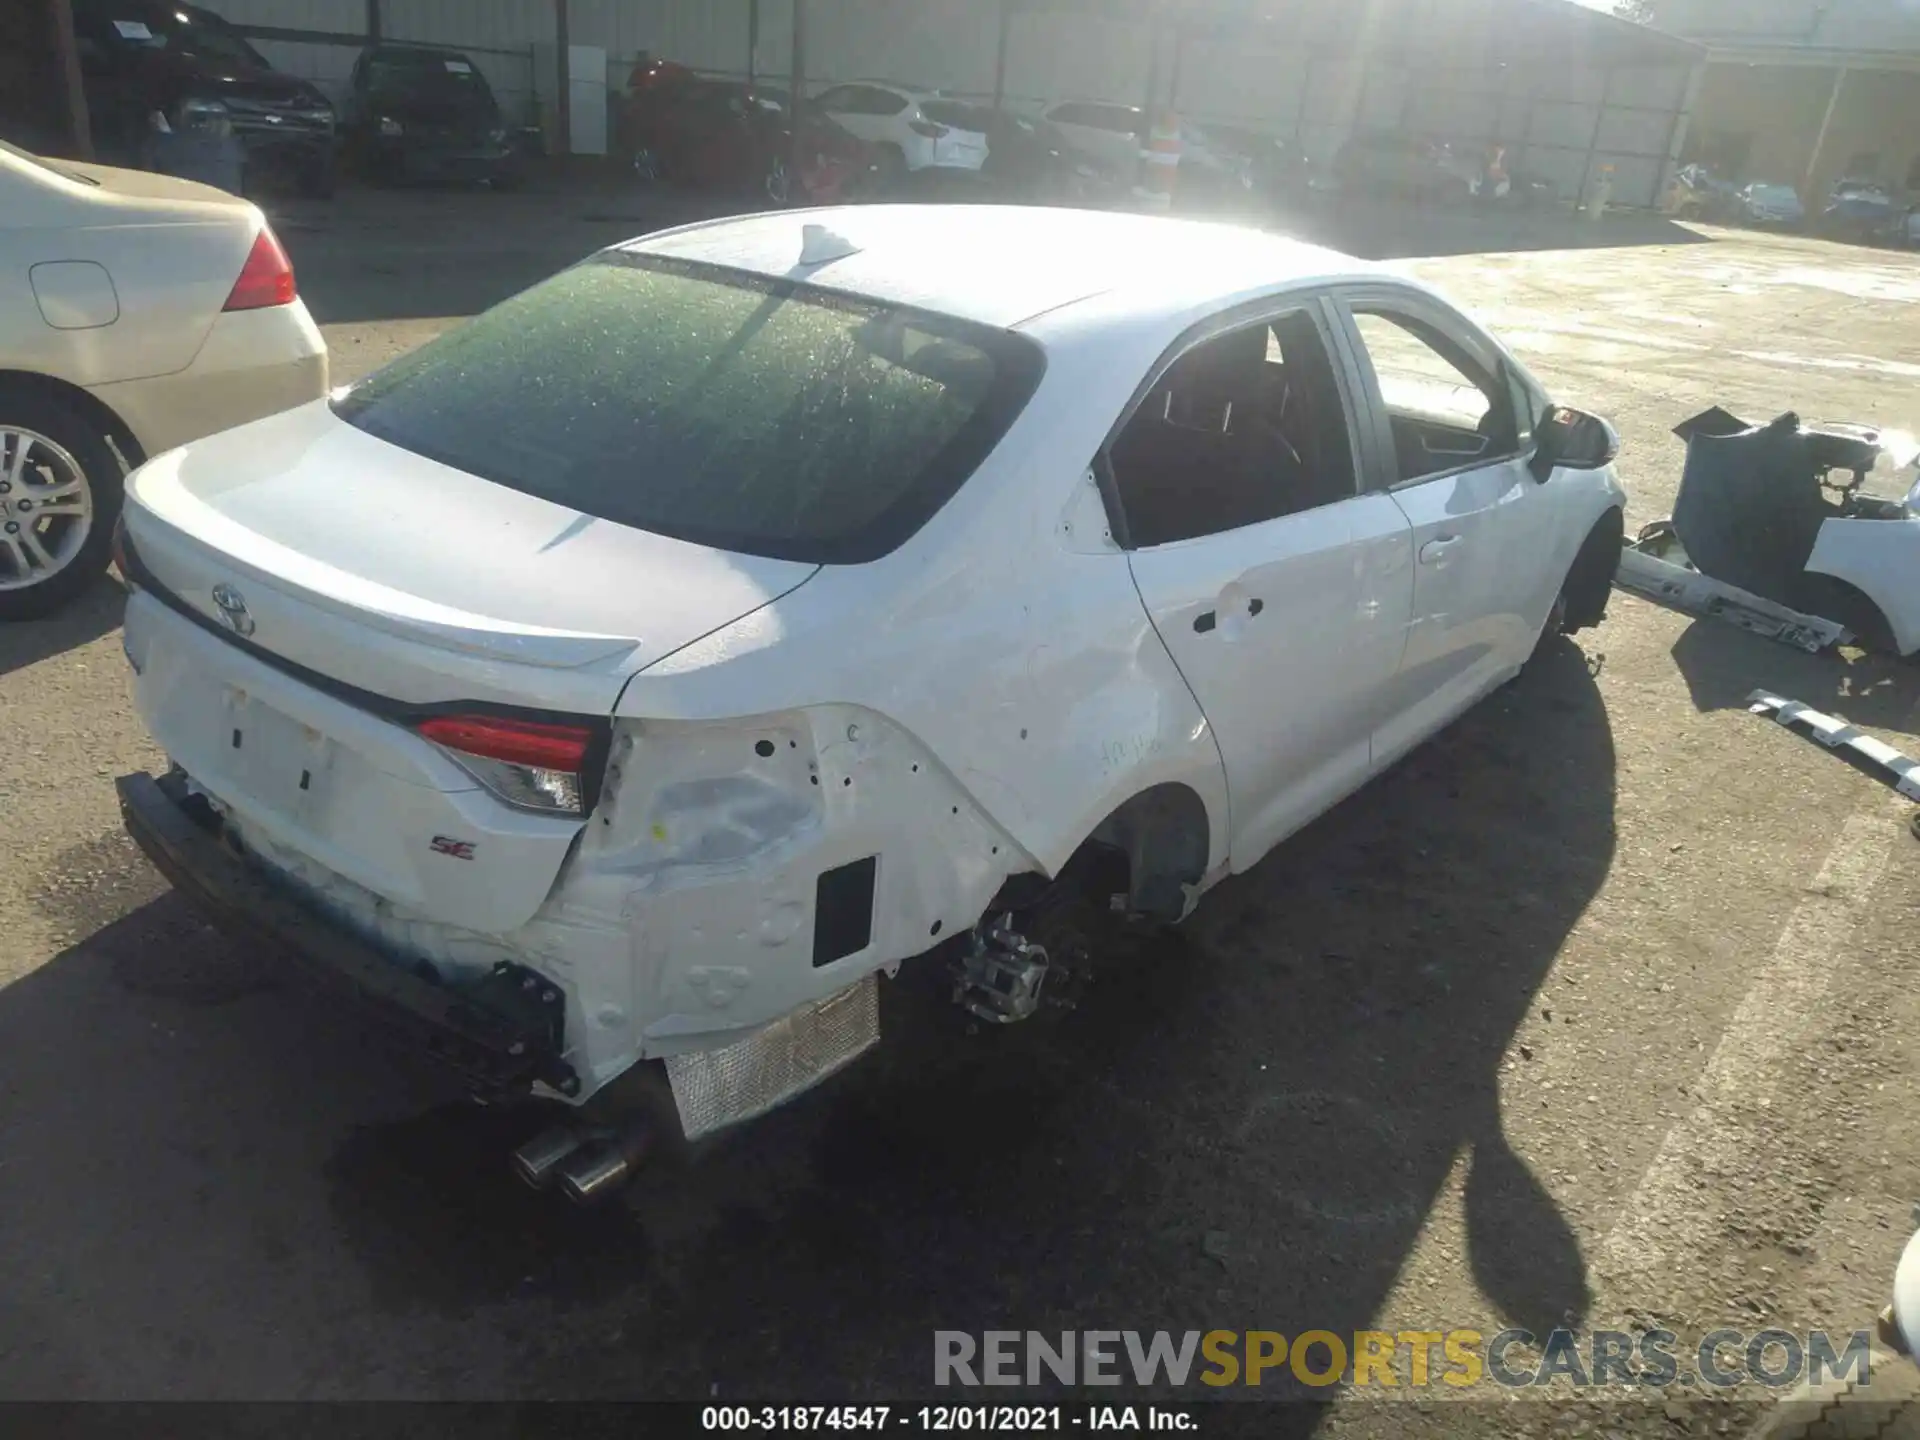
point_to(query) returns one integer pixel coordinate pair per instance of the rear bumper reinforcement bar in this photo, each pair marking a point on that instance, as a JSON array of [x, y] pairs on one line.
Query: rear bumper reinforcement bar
[[1677, 587]]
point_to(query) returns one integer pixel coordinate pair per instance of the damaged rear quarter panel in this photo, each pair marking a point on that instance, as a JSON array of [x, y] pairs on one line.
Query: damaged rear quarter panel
[[968, 708]]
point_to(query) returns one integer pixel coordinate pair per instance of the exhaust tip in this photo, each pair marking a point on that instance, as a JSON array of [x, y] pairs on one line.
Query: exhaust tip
[[537, 1161], [596, 1171]]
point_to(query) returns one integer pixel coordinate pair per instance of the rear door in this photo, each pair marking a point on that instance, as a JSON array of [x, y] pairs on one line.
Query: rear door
[[1282, 593], [1454, 445]]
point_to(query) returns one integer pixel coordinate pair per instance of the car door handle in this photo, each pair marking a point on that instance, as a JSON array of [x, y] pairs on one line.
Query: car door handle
[[1435, 551], [1208, 620]]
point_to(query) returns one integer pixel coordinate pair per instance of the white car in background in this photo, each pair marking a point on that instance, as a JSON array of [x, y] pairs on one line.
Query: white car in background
[[1115, 135], [916, 129], [137, 312], [640, 669], [1112, 134]]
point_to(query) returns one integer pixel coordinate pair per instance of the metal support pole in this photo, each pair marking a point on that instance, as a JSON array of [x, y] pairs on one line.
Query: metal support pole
[[1677, 133], [1593, 142], [373, 20], [753, 37], [796, 90], [563, 60], [1000, 55], [79, 129], [1820, 140]]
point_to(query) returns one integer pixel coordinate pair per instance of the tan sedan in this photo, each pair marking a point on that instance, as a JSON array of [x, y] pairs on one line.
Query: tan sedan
[[137, 312]]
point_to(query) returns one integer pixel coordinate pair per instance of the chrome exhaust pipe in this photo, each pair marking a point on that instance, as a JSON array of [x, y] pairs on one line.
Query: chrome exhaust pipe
[[537, 1161], [595, 1171]]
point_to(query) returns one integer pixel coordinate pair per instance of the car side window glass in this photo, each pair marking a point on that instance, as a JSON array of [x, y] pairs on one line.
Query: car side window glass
[[838, 99], [1247, 427], [886, 103], [1445, 413]]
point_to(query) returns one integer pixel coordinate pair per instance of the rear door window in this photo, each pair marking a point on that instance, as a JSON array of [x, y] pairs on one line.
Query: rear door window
[[1245, 428], [718, 407]]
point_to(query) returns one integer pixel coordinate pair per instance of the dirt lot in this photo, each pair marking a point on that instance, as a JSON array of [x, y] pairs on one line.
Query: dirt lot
[[1597, 1010]]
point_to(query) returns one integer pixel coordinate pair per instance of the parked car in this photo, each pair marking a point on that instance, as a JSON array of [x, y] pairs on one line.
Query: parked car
[[640, 669], [1387, 163], [1277, 167], [1029, 159], [1212, 176], [137, 312], [688, 128], [1699, 194], [152, 66], [418, 113], [1112, 134], [915, 130], [1765, 202], [1860, 210]]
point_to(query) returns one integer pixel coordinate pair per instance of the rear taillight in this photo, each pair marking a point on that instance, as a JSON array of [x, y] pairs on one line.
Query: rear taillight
[[267, 277], [927, 128], [528, 764]]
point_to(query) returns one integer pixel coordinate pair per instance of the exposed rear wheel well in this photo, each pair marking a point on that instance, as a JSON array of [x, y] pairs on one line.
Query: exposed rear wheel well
[[1150, 849], [27, 384], [1164, 836]]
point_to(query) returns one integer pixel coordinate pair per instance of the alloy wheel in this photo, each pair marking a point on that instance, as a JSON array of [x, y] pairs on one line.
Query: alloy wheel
[[46, 508]]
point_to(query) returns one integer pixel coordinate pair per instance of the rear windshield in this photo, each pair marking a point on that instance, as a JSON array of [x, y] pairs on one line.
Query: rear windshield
[[731, 410], [426, 72], [183, 29]]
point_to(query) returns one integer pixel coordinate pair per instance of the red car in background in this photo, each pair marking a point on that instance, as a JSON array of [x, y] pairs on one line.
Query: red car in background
[[680, 126]]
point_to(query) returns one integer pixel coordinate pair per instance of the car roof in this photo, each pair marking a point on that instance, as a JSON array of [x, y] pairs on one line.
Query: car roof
[[1005, 265], [911, 91], [423, 52]]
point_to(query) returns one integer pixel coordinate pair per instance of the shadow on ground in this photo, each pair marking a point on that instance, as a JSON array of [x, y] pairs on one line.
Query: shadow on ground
[[1246, 1130], [1723, 665], [97, 611]]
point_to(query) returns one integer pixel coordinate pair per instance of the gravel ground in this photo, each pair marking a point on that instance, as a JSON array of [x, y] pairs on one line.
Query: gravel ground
[[1597, 1010]]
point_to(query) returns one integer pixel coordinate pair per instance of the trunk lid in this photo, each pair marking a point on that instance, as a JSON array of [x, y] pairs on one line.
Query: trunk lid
[[168, 190], [373, 565], [361, 588]]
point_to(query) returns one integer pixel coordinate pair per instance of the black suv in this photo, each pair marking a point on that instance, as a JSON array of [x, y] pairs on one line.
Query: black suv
[[414, 112], [152, 68]]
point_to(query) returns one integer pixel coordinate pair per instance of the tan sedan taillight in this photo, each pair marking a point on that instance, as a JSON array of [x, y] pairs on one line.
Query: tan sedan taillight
[[267, 277]]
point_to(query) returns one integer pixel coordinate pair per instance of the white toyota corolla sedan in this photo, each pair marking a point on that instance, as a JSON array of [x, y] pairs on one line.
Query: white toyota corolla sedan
[[638, 670]]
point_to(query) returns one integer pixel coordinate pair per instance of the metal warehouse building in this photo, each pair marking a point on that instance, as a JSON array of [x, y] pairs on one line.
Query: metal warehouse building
[[1806, 91], [1568, 89]]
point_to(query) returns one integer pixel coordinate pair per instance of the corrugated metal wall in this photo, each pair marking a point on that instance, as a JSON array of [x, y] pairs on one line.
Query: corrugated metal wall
[[1564, 122], [328, 66]]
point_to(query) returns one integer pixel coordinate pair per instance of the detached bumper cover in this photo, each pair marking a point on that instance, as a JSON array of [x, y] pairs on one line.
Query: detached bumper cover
[[502, 1034]]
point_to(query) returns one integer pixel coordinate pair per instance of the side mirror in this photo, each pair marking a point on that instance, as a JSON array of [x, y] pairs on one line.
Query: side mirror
[[1569, 439]]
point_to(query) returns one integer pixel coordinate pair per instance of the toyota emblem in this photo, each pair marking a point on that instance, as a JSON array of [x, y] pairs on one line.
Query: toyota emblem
[[233, 609]]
